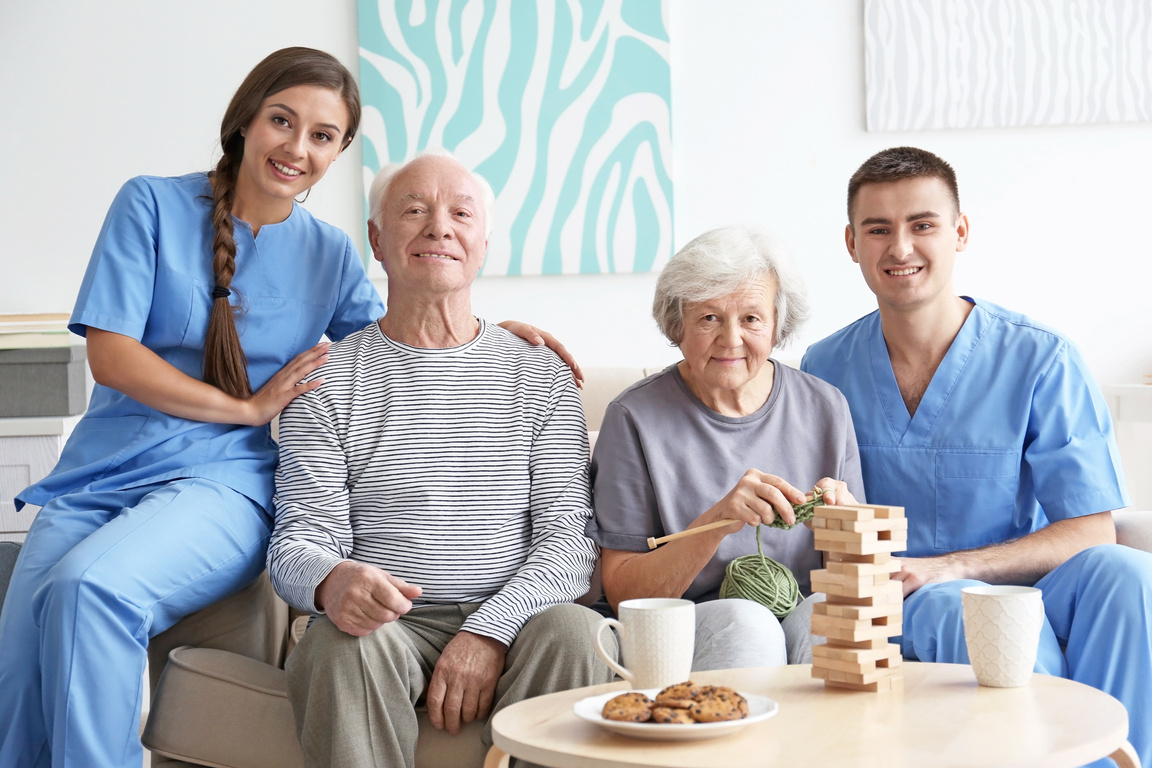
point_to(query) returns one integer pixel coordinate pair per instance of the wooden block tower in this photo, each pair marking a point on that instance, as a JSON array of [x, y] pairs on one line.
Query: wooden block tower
[[865, 605]]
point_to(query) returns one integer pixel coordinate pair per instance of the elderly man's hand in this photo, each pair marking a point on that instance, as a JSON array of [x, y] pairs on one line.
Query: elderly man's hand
[[464, 681], [360, 598]]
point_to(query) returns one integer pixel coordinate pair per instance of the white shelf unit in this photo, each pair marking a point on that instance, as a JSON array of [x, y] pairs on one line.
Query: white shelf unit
[[29, 448]]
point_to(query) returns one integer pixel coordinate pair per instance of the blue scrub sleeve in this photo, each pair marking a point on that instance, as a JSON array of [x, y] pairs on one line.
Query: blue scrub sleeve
[[358, 302], [116, 294], [1070, 446]]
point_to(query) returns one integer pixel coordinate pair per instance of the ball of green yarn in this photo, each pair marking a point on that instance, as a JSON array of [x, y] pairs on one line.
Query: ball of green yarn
[[762, 579]]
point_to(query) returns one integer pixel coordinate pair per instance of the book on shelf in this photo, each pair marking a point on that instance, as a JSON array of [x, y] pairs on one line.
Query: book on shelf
[[36, 330]]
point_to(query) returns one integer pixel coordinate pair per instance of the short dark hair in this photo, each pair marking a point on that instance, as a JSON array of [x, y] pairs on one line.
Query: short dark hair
[[902, 163]]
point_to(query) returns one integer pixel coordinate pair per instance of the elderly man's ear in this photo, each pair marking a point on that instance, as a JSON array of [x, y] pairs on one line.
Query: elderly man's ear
[[374, 240]]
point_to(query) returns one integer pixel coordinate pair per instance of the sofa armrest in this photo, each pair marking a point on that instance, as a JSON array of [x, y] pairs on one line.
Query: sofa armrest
[[213, 707], [252, 623]]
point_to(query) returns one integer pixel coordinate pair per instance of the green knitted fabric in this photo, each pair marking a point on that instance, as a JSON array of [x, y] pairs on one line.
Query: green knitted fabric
[[762, 579]]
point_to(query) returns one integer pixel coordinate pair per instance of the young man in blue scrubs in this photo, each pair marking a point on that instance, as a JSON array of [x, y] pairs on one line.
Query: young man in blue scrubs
[[989, 430]]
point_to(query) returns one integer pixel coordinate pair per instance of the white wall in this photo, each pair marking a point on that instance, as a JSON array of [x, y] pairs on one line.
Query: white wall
[[768, 124]]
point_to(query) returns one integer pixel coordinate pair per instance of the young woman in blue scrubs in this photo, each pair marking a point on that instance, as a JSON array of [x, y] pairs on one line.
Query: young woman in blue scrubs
[[202, 305]]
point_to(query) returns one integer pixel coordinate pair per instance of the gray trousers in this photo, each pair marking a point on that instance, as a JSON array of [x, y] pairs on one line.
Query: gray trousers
[[734, 633], [354, 698]]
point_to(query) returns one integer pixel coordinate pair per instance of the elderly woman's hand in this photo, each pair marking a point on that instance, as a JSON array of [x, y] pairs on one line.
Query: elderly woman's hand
[[836, 492], [759, 498]]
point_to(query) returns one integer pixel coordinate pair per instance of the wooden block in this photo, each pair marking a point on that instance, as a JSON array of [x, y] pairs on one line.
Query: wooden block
[[892, 682], [859, 655], [857, 611], [883, 510], [847, 557], [829, 512], [839, 586], [889, 566], [878, 524], [836, 628], [891, 593], [855, 678], [874, 542], [874, 643], [888, 592], [833, 535], [847, 667]]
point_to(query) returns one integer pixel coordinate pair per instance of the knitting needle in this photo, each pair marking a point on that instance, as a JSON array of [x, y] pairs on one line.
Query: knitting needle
[[654, 542]]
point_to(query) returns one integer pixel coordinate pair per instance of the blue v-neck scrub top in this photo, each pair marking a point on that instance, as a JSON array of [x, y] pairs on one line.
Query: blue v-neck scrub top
[[150, 277], [1011, 434]]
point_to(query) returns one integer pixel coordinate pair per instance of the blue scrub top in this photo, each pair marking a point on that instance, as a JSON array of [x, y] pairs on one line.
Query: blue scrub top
[[150, 277], [1012, 432]]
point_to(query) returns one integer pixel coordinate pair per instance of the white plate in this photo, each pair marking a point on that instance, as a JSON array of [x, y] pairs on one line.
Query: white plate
[[759, 708]]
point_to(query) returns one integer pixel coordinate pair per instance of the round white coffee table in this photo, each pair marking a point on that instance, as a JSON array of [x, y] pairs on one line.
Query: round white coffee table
[[941, 718]]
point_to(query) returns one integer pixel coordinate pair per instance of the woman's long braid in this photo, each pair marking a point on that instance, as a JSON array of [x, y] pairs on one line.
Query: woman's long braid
[[225, 364]]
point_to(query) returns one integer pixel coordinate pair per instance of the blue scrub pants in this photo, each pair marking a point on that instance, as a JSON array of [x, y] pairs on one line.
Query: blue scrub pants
[[1097, 629], [99, 574]]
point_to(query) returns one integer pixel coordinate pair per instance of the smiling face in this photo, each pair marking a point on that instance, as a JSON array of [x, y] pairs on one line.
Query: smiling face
[[288, 147], [727, 341], [905, 236], [429, 231]]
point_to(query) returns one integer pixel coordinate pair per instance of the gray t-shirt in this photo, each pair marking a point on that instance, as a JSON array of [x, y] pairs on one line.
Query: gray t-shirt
[[663, 458]]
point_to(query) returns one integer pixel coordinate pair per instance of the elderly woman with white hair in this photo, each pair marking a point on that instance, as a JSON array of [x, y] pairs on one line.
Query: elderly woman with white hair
[[725, 434]]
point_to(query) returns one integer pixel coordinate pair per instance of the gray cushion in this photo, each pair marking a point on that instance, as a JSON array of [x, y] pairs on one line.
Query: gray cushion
[[9, 551]]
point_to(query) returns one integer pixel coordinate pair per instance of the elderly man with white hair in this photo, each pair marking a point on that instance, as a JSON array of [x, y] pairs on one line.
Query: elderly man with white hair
[[725, 434], [431, 499]]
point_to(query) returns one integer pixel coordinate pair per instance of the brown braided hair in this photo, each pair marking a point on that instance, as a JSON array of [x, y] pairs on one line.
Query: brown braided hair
[[225, 364]]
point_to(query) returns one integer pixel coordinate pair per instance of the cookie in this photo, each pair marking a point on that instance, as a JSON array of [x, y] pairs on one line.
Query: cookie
[[675, 715], [718, 708], [678, 696], [630, 707]]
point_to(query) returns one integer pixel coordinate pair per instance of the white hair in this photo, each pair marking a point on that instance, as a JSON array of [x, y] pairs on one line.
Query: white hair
[[380, 184], [722, 261]]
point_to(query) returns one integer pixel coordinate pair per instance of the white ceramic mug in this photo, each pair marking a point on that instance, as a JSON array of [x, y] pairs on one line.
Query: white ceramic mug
[[657, 639], [1002, 630]]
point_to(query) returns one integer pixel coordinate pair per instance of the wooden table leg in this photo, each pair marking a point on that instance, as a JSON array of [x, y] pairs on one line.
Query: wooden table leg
[[498, 758], [1125, 756]]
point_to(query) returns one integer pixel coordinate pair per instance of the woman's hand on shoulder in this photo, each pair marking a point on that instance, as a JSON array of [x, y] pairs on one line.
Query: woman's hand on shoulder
[[759, 498], [285, 386], [536, 337]]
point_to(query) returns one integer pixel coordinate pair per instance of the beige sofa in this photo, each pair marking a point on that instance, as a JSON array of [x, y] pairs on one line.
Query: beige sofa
[[219, 691]]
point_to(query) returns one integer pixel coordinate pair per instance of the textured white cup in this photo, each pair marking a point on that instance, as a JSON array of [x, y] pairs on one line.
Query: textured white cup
[[657, 638], [1002, 630]]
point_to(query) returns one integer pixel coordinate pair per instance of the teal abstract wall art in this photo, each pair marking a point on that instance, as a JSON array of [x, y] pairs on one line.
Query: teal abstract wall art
[[562, 105]]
